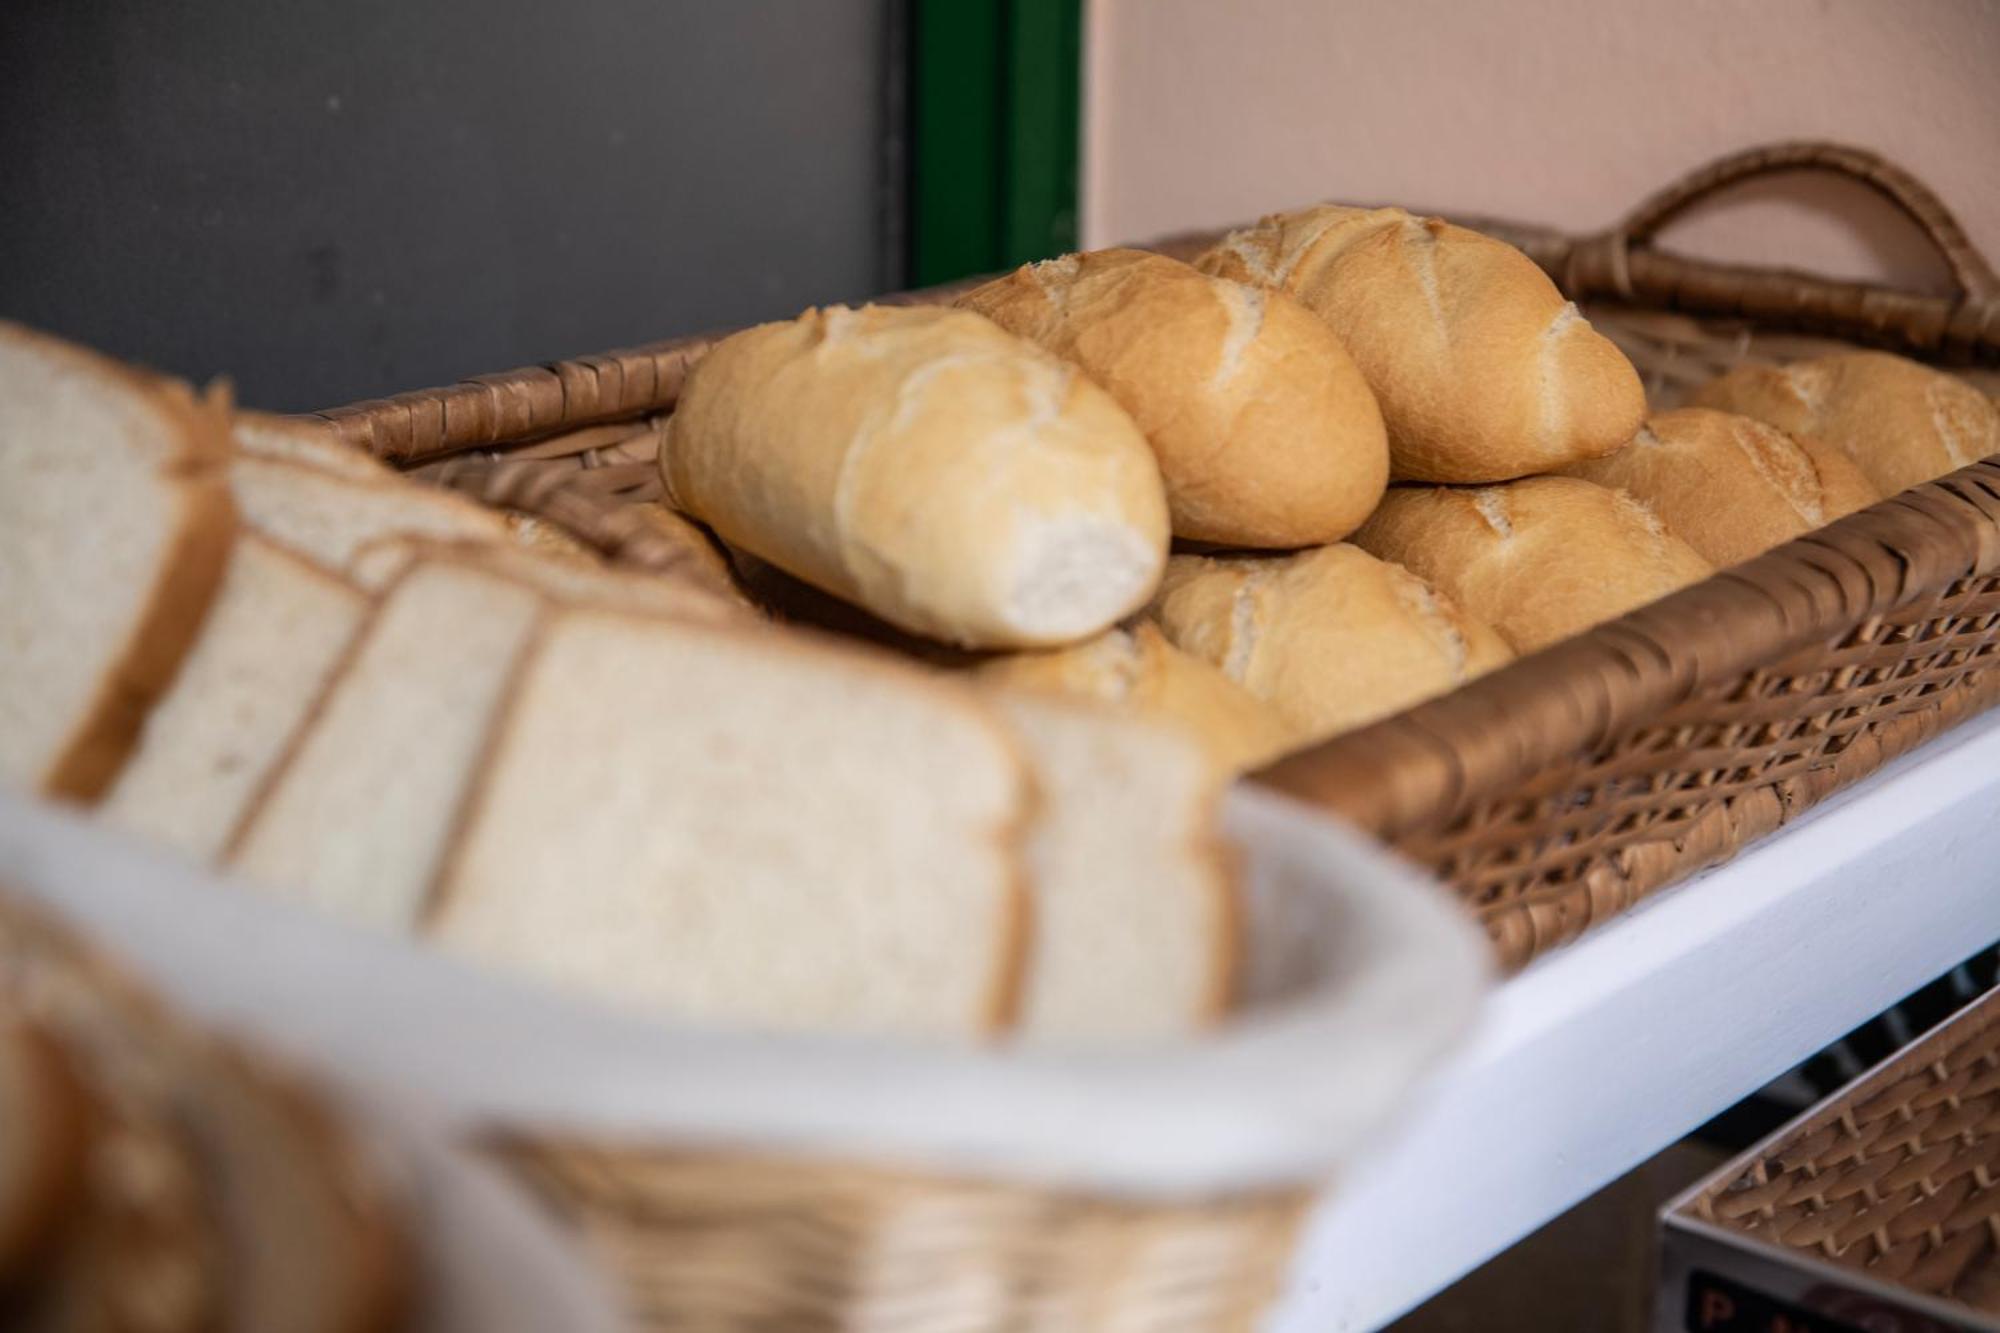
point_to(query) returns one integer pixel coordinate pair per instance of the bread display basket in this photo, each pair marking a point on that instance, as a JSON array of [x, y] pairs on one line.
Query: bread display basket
[[1557, 791]]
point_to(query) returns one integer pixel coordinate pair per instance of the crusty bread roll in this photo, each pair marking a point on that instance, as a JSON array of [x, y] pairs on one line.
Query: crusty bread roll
[[1729, 486], [1266, 433], [1332, 637], [1137, 671], [1902, 424], [951, 478], [1482, 370], [1539, 559]]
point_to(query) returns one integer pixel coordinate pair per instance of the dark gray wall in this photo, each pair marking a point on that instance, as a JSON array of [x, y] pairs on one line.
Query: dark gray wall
[[329, 201]]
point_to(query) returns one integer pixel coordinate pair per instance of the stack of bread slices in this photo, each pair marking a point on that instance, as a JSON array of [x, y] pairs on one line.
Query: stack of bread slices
[[250, 643]]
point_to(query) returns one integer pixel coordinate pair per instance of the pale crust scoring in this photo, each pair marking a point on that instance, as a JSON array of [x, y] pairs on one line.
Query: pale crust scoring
[[1539, 559], [1899, 422], [1482, 370], [1332, 638], [1265, 432], [1730, 486]]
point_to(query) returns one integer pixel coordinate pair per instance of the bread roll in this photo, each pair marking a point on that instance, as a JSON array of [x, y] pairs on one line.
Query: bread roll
[[1332, 638], [1902, 424], [1729, 486], [1266, 433], [1482, 370], [1539, 559], [1137, 671], [949, 477]]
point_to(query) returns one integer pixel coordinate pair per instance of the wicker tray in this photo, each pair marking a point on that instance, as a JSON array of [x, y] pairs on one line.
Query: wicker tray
[[1884, 1195], [1559, 790]]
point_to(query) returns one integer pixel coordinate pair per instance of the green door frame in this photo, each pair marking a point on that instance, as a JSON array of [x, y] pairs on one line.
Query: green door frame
[[994, 105]]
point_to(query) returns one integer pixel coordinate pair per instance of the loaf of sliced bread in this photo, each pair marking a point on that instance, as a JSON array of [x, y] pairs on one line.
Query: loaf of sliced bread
[[115, 524], [709, 824], [355, 818], [280, 628], [1135, 910]]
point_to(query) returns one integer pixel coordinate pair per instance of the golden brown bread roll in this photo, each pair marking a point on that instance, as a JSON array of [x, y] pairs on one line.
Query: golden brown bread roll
[[1332, 638], [1137, 671], [1266, 433], [1539, 559], [1729, 486], [1902, 424], [1482, 370], [951, 478]]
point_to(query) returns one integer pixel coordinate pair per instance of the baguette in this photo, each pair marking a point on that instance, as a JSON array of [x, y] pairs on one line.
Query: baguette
[[1266, 434], [1729, 486], [1331, 638], [115, 524], [953, 480], [702, 823], [1135, 907], [1137, 672], [1539, 559], [1902, 423], [1482, 370]]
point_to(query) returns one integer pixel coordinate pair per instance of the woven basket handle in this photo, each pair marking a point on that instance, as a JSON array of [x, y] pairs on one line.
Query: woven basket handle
[[1613, 249]]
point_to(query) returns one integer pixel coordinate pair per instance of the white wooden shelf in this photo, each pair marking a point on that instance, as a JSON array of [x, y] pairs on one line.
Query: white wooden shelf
[[1603, 1053]]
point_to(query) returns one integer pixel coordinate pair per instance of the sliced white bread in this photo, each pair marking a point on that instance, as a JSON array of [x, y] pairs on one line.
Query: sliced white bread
[[706, 823], [275, 637], [115, 524], [43, 1139], [302, 440], [379, 564], [329, 519], [1134, 899], [354, 819]]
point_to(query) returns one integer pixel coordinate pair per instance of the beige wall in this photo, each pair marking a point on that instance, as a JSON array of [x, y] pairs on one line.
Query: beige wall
[[1207, 112]]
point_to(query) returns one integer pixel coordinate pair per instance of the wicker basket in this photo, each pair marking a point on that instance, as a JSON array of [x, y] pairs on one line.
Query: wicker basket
[[1561, 789], [1552, 793], [1891, 1181]]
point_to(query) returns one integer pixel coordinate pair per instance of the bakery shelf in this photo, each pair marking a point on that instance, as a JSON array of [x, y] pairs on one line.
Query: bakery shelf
[[1601, 1054]]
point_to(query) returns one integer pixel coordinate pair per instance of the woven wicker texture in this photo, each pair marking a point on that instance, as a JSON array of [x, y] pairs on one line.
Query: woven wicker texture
[[1899, 1177], [728, 1243], [1562, 789]]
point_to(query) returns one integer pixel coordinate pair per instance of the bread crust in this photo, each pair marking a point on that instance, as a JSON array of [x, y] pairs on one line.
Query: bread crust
[[1482, 370], [185, 581], [1265, 431], [1331, 638], [64, 1112], [1730, 486], [1538, 559], [1901, 423]]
